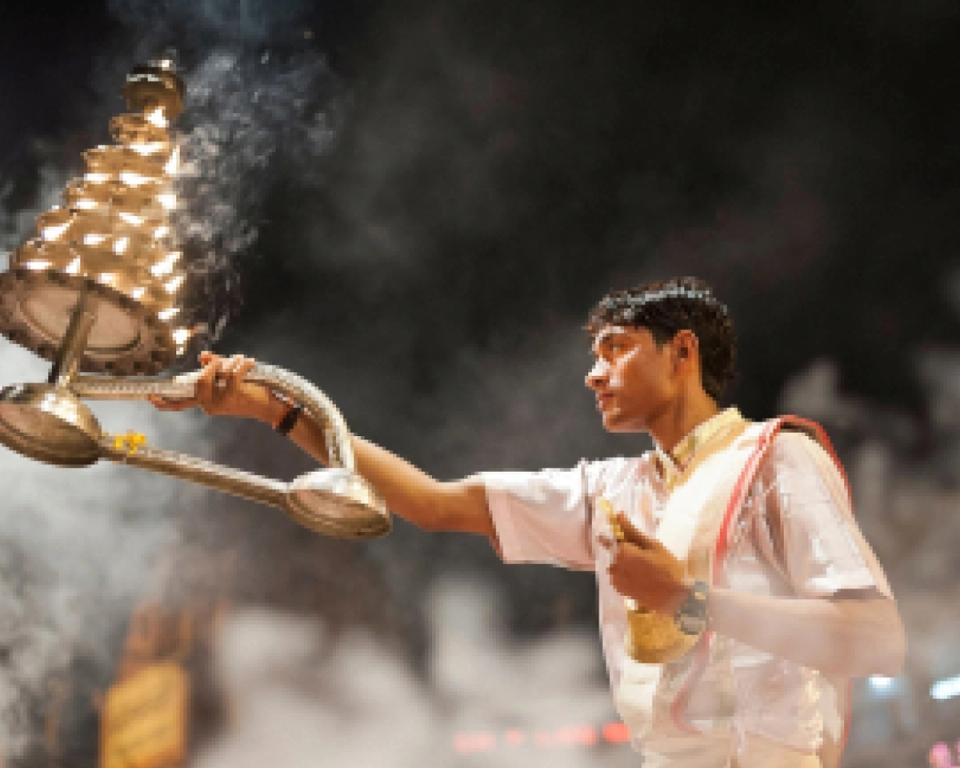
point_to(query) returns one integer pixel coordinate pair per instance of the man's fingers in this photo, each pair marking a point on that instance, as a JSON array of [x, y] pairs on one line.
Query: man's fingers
[[162, 404], [607, 542], [244, 367], [206, 384], [634, 535]]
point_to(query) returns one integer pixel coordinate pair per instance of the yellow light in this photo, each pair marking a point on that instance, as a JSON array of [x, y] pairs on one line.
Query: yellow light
[[145, 148], [171, 166], [120, 245], [73, 268], [131, 218], [86, 204], [181, 336], [93, 239], [173, 284], [96, 177], [161, 232], [137, 293], [169, 313], [165, 265], [54, 232], [168, 200], [107, 278], [37, 264], [134, 179], [156, 117]]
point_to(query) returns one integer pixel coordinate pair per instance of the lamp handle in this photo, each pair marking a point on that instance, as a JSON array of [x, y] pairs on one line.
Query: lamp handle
[[297, 389]]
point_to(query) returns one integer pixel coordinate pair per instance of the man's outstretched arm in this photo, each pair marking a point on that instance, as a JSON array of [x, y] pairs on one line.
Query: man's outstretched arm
[[408, 491]]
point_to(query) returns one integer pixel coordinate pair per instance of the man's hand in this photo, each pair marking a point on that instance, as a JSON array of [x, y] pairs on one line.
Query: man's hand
[[223, 391], [643, 569]]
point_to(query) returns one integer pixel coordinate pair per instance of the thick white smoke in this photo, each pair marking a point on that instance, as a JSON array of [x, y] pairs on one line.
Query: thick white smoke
[[77, 548], [302, 698]]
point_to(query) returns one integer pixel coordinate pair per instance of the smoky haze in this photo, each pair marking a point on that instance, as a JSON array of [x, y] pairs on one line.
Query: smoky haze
[[414, 205]]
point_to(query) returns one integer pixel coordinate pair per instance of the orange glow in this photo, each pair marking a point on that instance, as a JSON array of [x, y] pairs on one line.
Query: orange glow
[[53, 233], [157, 118], [173, 164]]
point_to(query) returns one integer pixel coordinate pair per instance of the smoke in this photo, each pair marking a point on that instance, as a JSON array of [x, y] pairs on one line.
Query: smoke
[[17, 224], [244, 117], [78, 548], [299, 695]]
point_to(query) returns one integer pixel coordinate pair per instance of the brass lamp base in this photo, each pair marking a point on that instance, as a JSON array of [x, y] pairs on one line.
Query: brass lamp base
[[35, 311]]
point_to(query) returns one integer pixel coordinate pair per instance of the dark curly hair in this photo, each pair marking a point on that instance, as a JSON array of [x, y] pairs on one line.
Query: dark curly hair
[[674, 305]]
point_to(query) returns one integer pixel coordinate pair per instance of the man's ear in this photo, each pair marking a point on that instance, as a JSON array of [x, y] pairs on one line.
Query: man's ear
[[686, 345]]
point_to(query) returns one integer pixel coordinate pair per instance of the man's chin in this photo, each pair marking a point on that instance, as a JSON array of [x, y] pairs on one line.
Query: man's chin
[[614, 422]]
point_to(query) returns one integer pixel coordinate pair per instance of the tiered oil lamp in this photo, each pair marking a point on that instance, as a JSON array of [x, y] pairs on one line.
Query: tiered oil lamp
[[97, 290]]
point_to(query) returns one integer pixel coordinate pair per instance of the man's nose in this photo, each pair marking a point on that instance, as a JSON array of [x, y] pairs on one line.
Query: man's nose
[[597, 376]]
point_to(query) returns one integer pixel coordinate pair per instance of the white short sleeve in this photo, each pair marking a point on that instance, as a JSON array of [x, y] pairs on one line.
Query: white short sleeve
[[802, 493], [542, 517]]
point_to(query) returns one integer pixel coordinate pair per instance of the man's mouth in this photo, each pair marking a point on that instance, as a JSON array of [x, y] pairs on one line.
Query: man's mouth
[[604, 401]]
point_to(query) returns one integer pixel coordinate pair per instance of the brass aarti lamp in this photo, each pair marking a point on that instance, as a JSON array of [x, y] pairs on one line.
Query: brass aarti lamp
[[96, 290]]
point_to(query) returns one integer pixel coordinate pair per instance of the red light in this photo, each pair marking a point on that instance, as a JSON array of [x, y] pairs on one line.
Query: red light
[[570, 736], [616, 733], [577, 735], [514, 738], [469, 743]]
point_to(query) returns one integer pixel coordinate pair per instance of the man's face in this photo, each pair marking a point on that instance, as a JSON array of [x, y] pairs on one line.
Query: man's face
[[632, 379]]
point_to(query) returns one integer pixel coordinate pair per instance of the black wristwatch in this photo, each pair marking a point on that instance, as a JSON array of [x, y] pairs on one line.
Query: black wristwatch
[[691, 616]]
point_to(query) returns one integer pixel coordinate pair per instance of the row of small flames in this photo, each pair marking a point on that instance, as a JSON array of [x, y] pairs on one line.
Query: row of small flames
[[127, 191]]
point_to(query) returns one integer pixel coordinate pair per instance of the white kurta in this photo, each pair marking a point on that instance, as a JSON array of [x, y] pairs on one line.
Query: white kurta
[[796, 536]]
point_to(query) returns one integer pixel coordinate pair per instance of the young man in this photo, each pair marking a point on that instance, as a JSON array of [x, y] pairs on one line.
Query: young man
[[733, 540]]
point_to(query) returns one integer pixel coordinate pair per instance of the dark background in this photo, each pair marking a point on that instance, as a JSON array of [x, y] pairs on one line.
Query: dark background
[[421, 200]]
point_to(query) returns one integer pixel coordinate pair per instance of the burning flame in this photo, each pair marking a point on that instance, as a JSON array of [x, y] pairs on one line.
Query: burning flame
[[147, 148], [165, 265], [134, 179], [116, 217], [54, 232], [172, 285], [157, 118], [173, 164]]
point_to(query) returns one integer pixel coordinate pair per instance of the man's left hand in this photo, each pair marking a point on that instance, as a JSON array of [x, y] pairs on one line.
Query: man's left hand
[[646, 571]]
